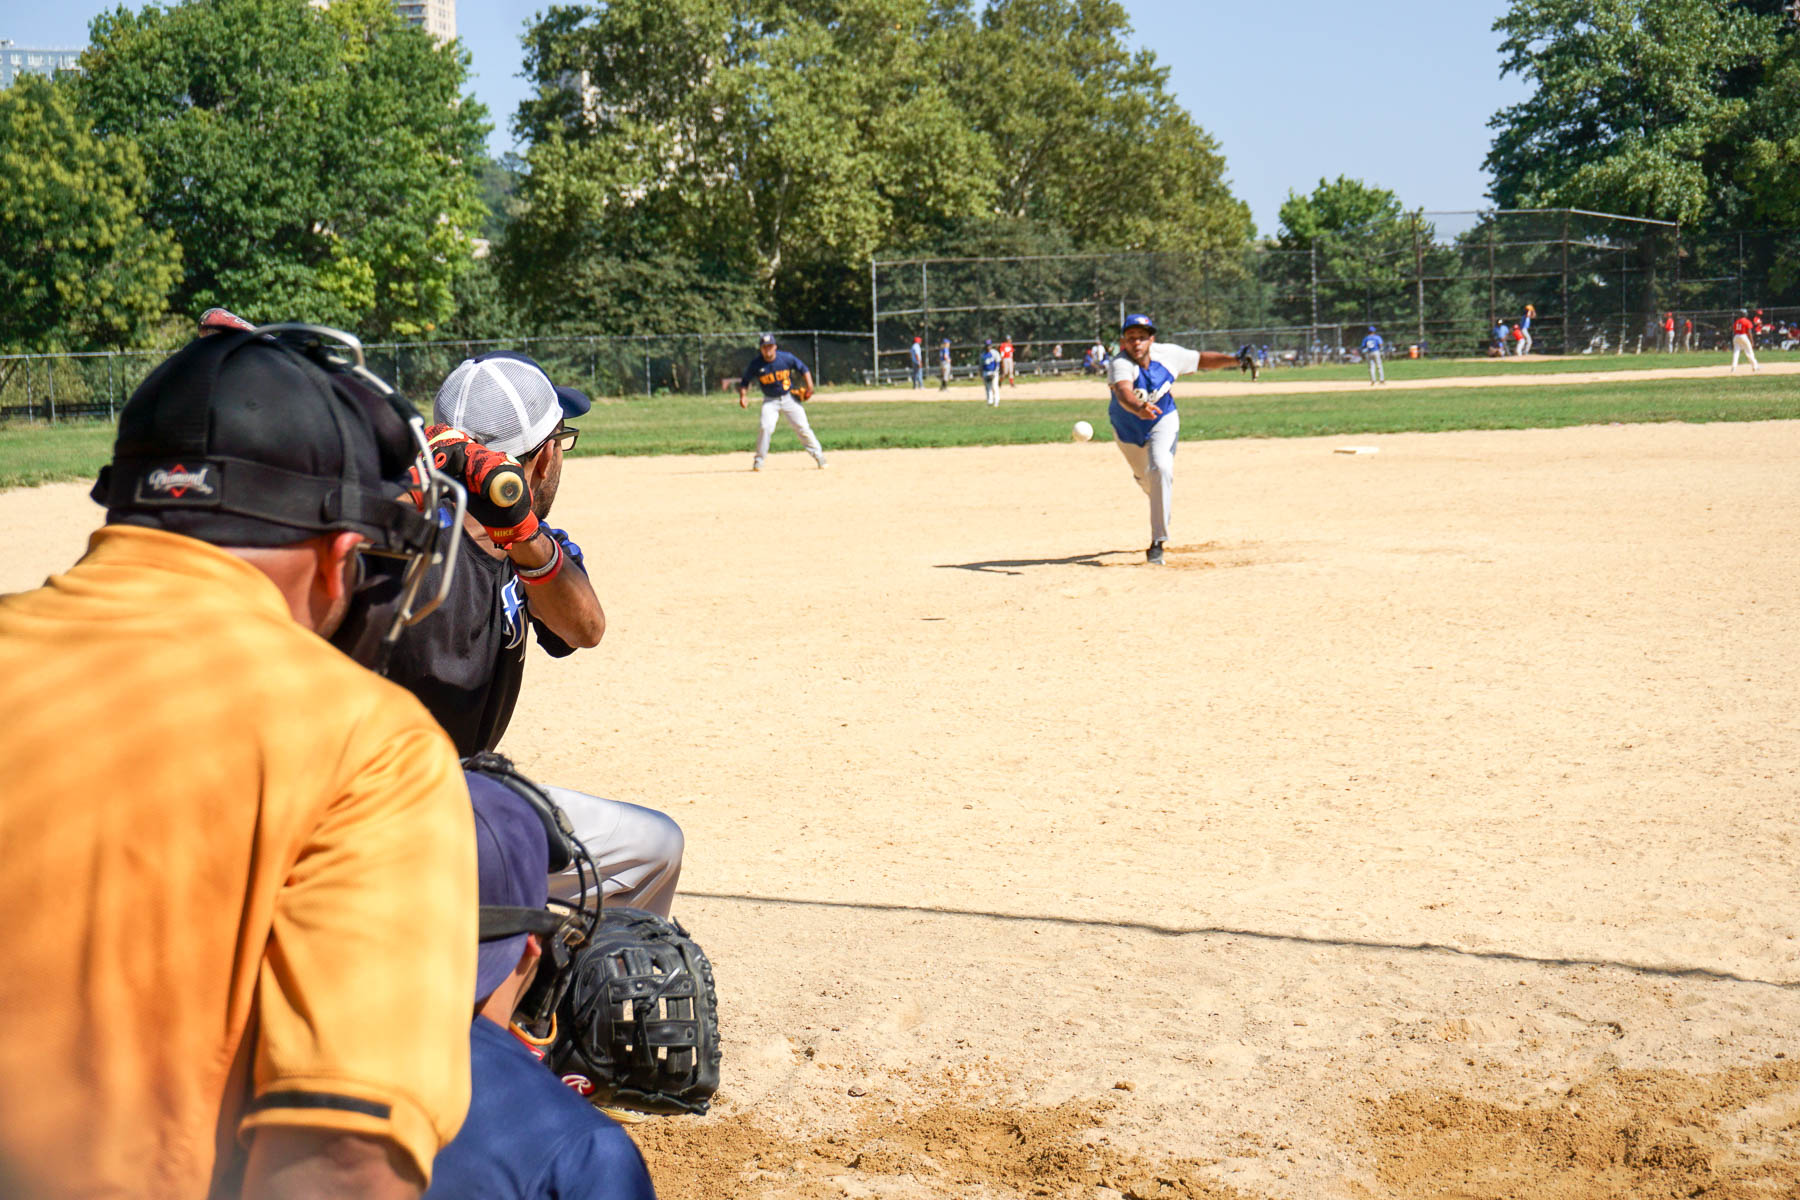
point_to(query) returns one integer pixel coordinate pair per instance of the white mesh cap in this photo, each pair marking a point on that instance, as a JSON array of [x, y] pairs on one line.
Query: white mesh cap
[[504, 403]]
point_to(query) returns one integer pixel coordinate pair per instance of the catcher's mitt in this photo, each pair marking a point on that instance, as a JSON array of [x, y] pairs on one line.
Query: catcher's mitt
[[803, 393], [639, 1027], [1247, 361]]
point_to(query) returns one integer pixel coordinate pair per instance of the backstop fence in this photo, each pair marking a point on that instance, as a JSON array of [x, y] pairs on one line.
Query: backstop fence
[[1440, 281], [52, 387]]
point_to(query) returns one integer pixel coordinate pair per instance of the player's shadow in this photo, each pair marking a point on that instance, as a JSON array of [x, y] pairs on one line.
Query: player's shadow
[[1671, 970], [1014, 566]]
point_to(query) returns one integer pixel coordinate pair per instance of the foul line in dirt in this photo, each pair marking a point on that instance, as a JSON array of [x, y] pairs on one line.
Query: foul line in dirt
[[1263, 935]]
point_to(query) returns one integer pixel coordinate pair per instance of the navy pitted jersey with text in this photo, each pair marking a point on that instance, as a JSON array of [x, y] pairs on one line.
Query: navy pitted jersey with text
[[779, 376]]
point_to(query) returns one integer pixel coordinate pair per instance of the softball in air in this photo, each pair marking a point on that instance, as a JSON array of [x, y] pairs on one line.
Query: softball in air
[[1083, 431]]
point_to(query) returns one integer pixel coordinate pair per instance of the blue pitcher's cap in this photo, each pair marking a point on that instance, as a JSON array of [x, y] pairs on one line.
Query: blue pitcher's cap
[[513, 863], [1371, 329], [1136, 319]]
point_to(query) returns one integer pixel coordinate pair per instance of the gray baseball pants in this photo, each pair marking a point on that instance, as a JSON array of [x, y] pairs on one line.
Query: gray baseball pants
[[637, 851], [785, 405], [1153, 466]]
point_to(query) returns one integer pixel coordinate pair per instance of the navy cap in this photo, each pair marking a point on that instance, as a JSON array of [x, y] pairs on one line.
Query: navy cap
[[767, 339], [572, 401], [513, 858], [1138, 319]]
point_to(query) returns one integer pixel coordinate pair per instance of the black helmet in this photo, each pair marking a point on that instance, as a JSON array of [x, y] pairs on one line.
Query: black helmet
[[272, 436]]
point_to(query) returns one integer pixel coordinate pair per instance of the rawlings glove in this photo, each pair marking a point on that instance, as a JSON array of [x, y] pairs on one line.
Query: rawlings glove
[[499, 497], [639, 1025]]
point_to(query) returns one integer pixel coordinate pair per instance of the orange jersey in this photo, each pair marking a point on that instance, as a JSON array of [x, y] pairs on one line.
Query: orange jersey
[[1741, 325], [239, 882]]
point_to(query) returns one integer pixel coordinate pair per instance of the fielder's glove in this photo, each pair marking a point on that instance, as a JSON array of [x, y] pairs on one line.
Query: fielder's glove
[[803, 393], [639, 1026], [499, 497], [1247, 361]]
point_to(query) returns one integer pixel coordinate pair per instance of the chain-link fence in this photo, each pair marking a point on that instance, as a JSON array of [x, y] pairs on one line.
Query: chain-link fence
[[1439, 282], [53, 387]]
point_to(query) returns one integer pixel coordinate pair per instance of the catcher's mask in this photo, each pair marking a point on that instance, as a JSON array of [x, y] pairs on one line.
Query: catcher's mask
[[273, 435], [563, 926]]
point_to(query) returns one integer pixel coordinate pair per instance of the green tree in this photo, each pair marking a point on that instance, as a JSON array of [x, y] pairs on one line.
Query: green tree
[[78, 267], [762, 144], [315, 163], [1352, 242], [1084, 131], [1634, 107]]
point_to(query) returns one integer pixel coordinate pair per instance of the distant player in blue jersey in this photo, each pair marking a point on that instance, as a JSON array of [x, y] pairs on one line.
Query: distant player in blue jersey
[[990, 373], [944, 366], [1372, 347], [1143, 415], [785, 382]]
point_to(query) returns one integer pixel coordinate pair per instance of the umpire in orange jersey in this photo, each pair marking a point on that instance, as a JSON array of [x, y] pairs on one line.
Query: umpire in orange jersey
[[239, 877]]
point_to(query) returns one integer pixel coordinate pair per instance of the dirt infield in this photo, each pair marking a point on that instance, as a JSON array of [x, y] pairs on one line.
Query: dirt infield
[[1287, 382], [1426, 829]]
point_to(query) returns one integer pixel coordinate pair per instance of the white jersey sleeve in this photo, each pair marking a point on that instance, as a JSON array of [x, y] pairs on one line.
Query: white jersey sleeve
[[1179, 359], [1120, 369]]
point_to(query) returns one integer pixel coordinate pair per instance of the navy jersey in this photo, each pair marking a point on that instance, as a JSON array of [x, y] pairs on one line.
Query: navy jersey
[[528, 1136], [779, 376]]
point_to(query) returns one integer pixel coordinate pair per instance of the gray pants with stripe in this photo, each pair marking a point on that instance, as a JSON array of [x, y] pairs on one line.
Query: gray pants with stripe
[[1153, 466]]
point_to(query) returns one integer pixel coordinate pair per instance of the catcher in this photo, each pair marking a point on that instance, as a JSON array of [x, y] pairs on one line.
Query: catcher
[[624, 1002], [786, 385]]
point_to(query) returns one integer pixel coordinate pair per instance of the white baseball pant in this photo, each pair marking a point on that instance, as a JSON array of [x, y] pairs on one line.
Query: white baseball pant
[[1740, 344], [785, 405], [992, 384], [1153, 466], [1376, 373], [637, 851]]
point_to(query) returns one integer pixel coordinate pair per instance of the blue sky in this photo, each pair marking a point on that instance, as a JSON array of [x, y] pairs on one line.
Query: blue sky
[[1394, 92]]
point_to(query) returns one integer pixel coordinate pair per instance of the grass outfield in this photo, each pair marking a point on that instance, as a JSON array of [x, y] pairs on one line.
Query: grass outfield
[[34, 454], [1401, 367]]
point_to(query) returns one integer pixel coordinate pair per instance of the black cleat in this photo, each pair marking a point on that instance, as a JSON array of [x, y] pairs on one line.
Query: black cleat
[[1154, 555]]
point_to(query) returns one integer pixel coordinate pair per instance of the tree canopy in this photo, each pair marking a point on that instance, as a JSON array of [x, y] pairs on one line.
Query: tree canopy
[[78, 266], [783, 145], [310, 162], [1638, 107]]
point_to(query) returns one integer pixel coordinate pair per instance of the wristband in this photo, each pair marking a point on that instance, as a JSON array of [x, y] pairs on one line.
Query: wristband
[[544, 574]]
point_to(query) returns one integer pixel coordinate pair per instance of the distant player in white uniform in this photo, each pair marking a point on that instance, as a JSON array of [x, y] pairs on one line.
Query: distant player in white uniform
[[1143, 415], [778, 373], [1372, 347]]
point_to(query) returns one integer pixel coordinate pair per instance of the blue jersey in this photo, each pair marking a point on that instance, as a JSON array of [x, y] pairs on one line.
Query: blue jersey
[[990, 362], [1373, 344], [1153, 383], [528, 1135], [779, 376], [944, 353], [918, 355]]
